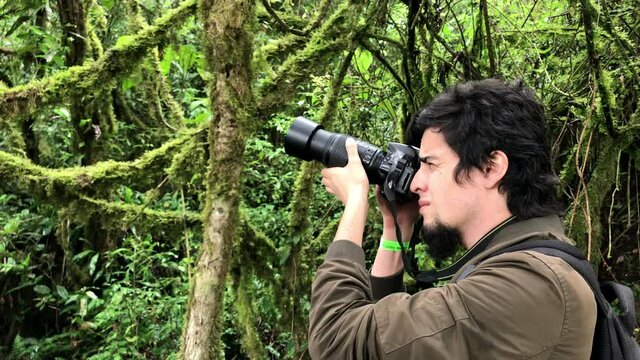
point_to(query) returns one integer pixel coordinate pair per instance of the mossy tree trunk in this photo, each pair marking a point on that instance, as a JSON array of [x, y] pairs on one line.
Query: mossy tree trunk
[[227, 40], [74, 35]]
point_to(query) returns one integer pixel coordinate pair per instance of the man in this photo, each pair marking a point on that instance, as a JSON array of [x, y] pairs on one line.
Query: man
[[485, 179]]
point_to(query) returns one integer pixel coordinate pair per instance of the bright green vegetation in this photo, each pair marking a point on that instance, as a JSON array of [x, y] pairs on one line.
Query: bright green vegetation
[[141, 139]]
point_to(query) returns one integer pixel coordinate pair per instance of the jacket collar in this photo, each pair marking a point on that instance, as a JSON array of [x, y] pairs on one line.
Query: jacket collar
[[513, 231]]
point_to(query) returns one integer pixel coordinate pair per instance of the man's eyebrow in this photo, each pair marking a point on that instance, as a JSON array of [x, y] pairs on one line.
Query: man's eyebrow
[[427, 158]]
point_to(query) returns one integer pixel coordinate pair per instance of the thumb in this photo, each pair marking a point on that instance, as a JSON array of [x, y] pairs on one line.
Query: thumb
[[352, 150]]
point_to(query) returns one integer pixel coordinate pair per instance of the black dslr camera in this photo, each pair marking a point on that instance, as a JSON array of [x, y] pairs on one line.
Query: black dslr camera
[[393, 170]]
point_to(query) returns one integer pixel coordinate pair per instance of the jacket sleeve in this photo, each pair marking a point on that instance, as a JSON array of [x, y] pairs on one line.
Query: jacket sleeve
[[347, 323], [383, 286], [457, 321]]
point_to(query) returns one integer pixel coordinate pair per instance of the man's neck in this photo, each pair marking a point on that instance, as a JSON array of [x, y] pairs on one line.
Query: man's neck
[[485, 227]]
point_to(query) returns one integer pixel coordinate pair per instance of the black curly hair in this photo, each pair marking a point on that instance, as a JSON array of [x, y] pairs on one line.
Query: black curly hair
[[479, 117]]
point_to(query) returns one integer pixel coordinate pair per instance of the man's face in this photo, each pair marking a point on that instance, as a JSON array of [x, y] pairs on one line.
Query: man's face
[[443, 201]]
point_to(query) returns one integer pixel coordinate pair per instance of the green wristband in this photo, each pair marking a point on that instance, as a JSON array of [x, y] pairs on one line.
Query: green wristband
[[392, 245]]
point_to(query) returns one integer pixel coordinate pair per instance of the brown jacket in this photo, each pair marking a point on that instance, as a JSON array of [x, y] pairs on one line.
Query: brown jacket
[[521, 305]]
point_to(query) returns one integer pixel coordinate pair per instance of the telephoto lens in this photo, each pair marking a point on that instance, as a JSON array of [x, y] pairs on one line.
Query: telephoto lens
[[307, 140]]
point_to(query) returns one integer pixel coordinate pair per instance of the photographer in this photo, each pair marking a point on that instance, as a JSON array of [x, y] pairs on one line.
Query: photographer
[[485, 181]]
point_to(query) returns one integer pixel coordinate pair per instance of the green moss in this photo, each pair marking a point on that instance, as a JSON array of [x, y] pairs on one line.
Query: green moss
[[253, 255], [298, 217], [244, 305], [598, 190], [328, 41], [143, 172], [25, 100], [121, 213], [255, 250]]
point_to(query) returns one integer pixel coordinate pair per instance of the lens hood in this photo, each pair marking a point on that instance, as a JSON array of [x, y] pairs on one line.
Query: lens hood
[[297, 142]]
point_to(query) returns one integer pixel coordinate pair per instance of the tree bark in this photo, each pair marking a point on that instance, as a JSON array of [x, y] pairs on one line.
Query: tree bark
[[227, 42], [73, 22]]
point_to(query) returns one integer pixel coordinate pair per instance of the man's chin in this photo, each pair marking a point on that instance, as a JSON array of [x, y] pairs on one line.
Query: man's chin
[[441, 240]]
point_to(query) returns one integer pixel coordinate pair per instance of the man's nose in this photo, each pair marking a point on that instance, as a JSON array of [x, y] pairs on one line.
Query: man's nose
[[418, 183]]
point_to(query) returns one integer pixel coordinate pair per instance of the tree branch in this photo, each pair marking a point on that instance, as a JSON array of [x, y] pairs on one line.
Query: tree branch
[[333, 36], [378, 55], [22, 101], [21, 173], [594, 60], [279, 21]]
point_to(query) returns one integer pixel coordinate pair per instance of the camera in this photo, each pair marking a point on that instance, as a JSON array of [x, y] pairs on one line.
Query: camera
[[392, 170]]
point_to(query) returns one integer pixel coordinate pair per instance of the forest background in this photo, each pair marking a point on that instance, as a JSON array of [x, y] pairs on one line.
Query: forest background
[[147, 208]]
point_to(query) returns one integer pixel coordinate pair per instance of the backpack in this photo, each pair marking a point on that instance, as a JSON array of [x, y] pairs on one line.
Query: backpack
[[613, 337]]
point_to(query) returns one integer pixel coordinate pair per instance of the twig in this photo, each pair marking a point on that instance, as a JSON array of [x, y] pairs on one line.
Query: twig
[[394, 42], [322, 13], [186, 236], [282, 24], [613, 197], [529, 14], [378, 55], [492, 54], [595, 66]]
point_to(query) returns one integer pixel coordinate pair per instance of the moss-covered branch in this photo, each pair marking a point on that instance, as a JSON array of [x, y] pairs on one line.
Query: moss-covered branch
[[330, 39], [227, 37], [253, 256], [606, 100], [597, 190], [21, 173], [24, 100], [130, 213]]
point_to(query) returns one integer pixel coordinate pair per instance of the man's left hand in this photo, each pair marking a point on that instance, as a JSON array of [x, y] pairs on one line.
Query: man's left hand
[[349, 181]]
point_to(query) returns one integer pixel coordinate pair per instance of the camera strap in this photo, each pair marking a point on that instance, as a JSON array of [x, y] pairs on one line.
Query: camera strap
[[427, 279], [410, 264]]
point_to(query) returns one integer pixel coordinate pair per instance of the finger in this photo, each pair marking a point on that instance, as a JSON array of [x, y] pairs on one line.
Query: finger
[[352, 150], [379, 194]]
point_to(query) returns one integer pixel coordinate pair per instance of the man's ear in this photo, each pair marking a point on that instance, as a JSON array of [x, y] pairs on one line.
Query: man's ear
[[495, 168]]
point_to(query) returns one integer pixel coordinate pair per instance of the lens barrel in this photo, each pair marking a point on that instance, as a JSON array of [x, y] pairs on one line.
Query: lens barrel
[[307, 140]]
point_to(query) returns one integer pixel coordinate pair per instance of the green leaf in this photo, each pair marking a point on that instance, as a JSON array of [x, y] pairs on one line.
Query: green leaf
[[84, 123], [124, 41], [167, 59], [92, 295], [62, 292], [187, 56], [363, 60], [108, 4], [285, 255], [63, 113], [128, 83], [42, 289], [92, 264], [12, 226]]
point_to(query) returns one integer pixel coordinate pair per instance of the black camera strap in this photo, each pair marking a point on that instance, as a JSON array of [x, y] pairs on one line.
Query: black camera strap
[[427, 279], [410, 264]]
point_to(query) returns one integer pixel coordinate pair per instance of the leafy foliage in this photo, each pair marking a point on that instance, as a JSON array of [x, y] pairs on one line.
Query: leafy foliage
[[88, 273]]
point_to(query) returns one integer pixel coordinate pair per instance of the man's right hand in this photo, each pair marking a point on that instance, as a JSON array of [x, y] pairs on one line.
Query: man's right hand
[[389, 263], [407, 212]]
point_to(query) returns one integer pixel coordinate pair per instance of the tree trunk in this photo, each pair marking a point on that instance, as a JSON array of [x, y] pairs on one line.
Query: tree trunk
[[75, 30], [228, 53]]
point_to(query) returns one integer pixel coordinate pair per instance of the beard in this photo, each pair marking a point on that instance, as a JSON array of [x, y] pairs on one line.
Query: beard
[[441, 240]]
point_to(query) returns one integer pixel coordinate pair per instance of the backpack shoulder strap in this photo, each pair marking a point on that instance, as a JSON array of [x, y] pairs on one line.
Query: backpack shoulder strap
[[613, 338], [570, 254]]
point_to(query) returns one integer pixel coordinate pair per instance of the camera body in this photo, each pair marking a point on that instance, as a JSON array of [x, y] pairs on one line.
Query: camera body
[[392, 170]]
